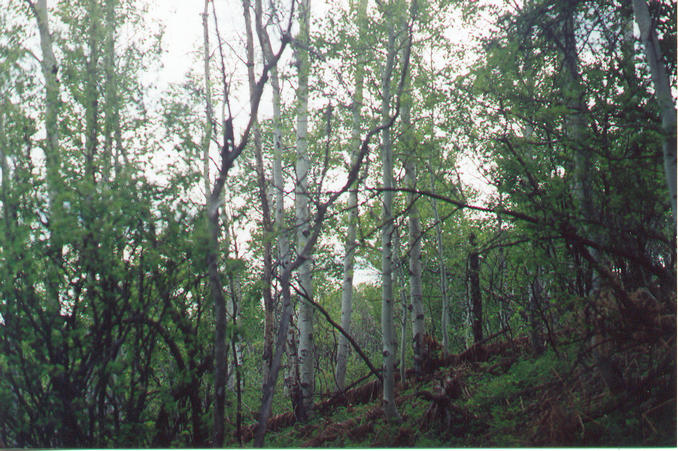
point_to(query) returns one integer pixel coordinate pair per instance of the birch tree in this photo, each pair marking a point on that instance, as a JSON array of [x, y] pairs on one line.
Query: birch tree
[[50, 70], [302, 255], [387, 230], [476, 305], [576, 128], [279, 229], [229, 152], [351, 244], [414, 230], [662, 92], [445, 314], [267, 224], [302, 212]]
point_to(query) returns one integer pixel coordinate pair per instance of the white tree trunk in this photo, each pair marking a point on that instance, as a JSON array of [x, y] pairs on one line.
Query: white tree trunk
[[278, 186], [111, 107], [476, 304], [388, 337], [49, 67], [207, 132], [91, 92], [662, 89], [534, 306], [302, 212], [414, 229], [343, 346], [503, 314], [445, 315], [399, 279], [575, 130]]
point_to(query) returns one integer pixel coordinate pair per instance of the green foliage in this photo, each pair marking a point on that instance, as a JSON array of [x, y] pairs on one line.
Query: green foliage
[[106, 331]]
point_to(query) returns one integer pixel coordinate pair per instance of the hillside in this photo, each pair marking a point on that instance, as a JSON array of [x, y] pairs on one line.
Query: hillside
[[613, 388]]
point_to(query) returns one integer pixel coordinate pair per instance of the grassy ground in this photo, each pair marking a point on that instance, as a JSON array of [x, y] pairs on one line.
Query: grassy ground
[[620, 393]]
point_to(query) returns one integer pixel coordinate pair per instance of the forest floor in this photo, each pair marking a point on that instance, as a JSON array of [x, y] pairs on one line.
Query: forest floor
[[616, 387]]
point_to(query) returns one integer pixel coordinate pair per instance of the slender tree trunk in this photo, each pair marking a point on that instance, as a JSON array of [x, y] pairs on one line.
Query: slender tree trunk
[[414, 229], [503, 314], [219, 300], [283, 246], [214, 199], [265, 204], [351, 244], [269, 384], [662, 92], [535, 296], [50, 69], [209, 115], [399, 278], [476, 301], [445, 315], [280, 229], [91, 93], [235, 292], [232, 311], [343, 346], [278, 187], [302, 210], [111, 104], [575, 129], [292, 383], [387, 230], [238, 391]]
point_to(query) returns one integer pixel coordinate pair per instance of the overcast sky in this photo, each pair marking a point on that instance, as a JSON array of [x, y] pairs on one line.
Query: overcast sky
[[183, 22]]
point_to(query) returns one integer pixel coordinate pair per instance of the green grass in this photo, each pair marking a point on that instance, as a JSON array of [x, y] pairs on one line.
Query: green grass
[[507, 402]]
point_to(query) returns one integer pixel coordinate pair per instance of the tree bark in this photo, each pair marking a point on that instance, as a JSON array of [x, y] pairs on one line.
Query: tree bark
[[302, 214], [414, 237], [111, 103], [50, 69], [91, 92], [265, 204], [400, 282], [575, 130], [220, 348], [351, 244], [269, 384], [535, 297], [662, 91], [278, 186], [213, 201], [209, 119], [445, 315], [387, 230], [476, 300]]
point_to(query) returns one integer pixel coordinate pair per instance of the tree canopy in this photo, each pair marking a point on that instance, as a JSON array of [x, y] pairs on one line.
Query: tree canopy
[[339, 202]]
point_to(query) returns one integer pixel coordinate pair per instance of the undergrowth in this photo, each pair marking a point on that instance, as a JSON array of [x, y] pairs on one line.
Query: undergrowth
[[579, 393]]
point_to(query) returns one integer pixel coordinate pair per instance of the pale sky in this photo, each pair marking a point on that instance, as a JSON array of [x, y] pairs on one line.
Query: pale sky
[[183, 32]]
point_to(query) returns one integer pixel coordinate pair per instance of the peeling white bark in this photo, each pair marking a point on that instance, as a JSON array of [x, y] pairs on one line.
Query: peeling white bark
[[302, 213], [387, 230]]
